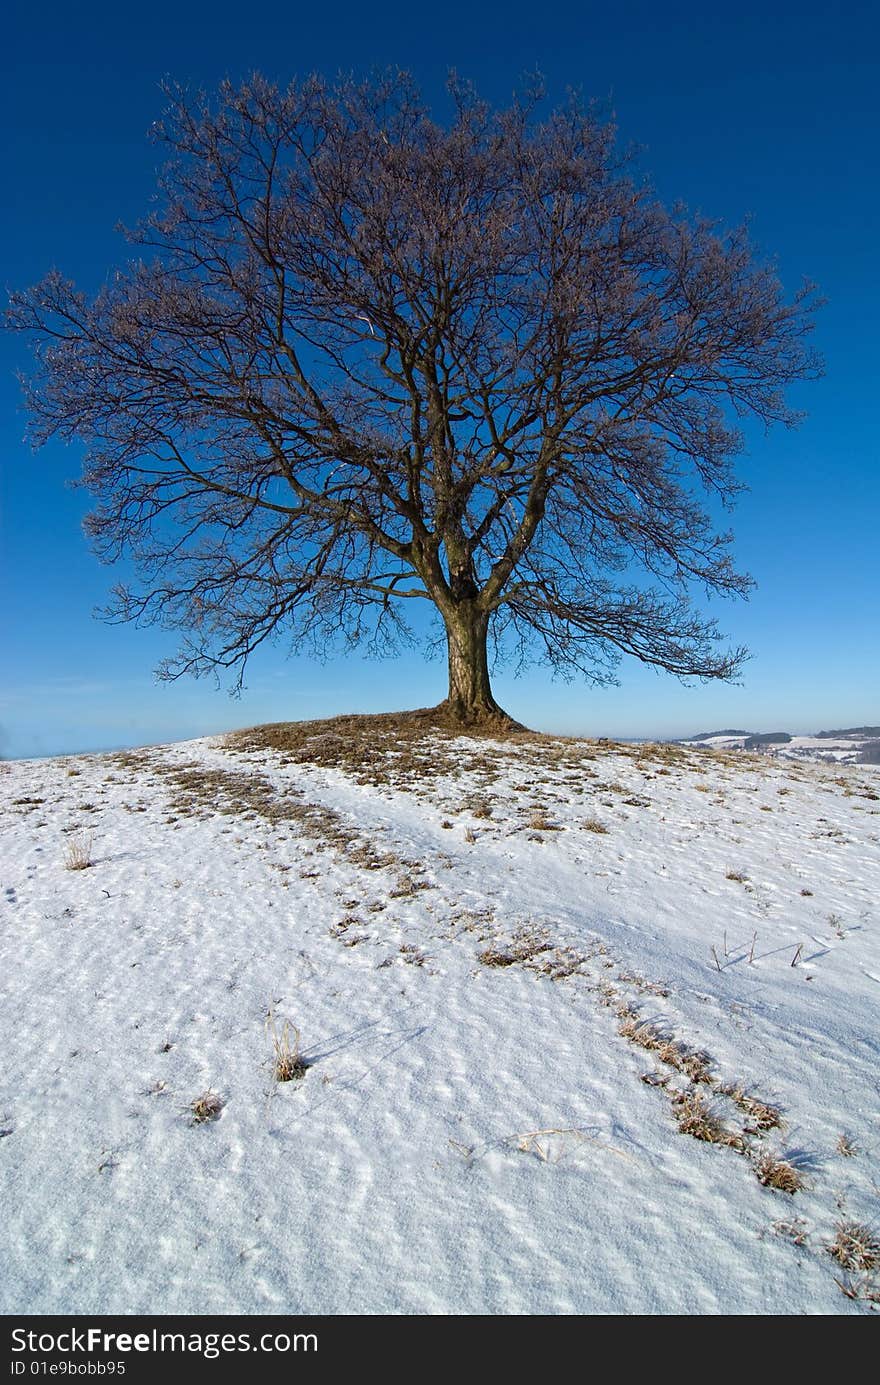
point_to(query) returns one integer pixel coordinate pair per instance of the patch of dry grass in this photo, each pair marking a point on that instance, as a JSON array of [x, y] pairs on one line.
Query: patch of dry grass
[[855, 1246], [696, 1118], [413, 955], [520, 950], [403, 749], [201, 792], [411, 751], [287, 1061], [78, 853], [206, 1107], [675, 1054], [594, 825], [559, 963], [761, 1114], [777, 1173]]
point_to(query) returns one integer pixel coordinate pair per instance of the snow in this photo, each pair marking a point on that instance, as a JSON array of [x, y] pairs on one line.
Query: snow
[[467, 1137]]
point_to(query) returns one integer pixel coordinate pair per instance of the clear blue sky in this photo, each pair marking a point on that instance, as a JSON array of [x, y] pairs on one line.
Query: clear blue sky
[[762, 109]]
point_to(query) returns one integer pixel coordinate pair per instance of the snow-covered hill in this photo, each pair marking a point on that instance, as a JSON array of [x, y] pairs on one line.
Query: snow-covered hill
[[573, 1017], [859, 745]]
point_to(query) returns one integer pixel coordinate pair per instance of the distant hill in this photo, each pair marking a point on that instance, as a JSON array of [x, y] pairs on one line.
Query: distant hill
[[710, 735], [853, 745], [854, 733]]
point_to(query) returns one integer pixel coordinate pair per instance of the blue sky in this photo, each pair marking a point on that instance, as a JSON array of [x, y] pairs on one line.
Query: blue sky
[[766, 110]]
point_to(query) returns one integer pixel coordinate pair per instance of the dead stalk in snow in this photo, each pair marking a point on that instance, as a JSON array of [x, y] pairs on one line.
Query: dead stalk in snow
[[287, 1061], [78, 853]]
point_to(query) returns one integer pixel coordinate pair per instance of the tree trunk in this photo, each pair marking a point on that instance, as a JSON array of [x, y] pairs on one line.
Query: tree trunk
[[470, 701]]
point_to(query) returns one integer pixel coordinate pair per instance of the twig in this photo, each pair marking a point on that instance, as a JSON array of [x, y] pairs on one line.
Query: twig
[[526, 1141]]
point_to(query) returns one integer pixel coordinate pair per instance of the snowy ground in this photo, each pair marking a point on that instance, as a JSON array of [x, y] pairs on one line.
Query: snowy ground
[[511, 1019]]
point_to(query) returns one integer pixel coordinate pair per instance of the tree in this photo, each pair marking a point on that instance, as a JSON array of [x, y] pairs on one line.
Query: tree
[[365, 359]]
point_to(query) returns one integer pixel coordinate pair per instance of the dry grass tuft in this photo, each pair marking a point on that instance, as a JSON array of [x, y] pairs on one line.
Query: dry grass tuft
[[762, 1115], [522, 949], [846, 1146], [206, 1107], [866, 1290], [670, 1051], [560, 963], [855, 1246], [778, 1174], [288, 1064], [406, 886], [413, 955], [78, 853], [690, 1061], [594, 825], [696, 1119], [496, 957]]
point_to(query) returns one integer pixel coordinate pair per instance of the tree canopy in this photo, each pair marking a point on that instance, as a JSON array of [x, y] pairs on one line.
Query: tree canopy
[[364, 358]]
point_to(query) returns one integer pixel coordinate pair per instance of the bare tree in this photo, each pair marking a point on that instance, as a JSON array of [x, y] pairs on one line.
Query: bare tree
[[365, 359]]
